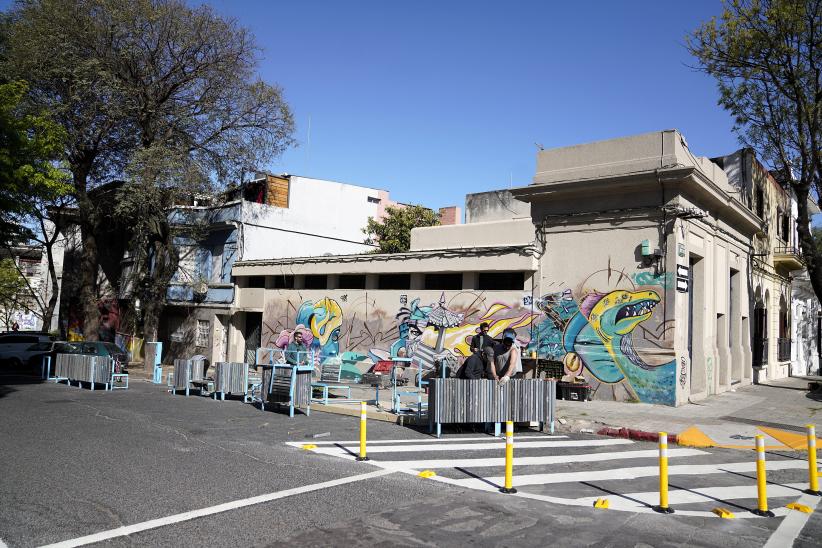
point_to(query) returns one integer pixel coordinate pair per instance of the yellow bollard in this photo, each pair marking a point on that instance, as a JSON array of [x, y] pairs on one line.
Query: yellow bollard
[[761, 481], [509, 458], [663, 507], [363, 417], [813, 478]]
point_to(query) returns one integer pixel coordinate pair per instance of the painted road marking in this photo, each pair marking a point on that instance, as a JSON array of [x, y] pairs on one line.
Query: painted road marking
[[792, 525], [637, 472], [474, 446], [426, 440], [616, 502], [202, 512], [705, 494], [528, 461]]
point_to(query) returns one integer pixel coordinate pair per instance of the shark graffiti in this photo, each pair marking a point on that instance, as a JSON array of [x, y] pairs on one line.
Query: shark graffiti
[[596, 334]]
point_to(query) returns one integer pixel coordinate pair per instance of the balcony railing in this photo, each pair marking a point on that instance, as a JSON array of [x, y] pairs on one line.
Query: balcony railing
[[760, 352], [783, 349], [788, 256]]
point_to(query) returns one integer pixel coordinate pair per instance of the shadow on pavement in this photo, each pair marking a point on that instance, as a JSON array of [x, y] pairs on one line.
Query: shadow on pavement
[[9, 379]]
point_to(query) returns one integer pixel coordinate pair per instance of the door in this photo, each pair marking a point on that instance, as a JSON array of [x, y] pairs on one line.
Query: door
[[253, 334]]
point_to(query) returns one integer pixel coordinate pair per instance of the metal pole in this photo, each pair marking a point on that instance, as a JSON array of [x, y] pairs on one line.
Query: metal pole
[[813, 478], [663, 507], [509, 458], [363, 417], [761, 481]]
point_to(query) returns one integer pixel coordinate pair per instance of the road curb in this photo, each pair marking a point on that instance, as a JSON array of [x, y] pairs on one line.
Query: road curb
[[636, 435]]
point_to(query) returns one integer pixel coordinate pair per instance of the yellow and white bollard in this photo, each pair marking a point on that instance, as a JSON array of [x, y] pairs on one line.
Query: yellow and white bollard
[[509, 458], [363, 417], [813, 475], [663, 507], [761, 480]]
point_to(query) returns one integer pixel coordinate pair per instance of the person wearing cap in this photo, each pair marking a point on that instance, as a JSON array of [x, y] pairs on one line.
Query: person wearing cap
[[482, 339], [507, 361]]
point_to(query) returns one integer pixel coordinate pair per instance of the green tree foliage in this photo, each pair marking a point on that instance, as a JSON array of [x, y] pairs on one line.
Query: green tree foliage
[[30, 144], [766, 56], [157, 93], [393, 233], [12, 291]]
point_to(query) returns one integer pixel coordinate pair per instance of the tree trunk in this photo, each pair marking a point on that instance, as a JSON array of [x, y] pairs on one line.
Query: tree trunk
[[88, 263], [813, 260], [151, 320], [48, 242]]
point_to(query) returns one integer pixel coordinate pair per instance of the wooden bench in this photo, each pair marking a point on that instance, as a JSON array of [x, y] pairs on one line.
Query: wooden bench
[[88, 369], [233, 378], [187, 374], [457, 401]]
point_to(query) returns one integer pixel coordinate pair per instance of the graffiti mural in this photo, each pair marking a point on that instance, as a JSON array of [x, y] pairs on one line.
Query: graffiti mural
[[363, 333], [593, 336], [609, 329]]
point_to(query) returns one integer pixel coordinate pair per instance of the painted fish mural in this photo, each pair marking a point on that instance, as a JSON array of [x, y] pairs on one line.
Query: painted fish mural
[[597, 334]]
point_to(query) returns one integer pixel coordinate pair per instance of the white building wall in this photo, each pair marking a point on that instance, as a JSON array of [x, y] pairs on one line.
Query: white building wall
[[322, 217]]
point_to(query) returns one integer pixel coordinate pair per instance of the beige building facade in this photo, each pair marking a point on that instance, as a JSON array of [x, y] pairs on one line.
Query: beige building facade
[[625, 260]]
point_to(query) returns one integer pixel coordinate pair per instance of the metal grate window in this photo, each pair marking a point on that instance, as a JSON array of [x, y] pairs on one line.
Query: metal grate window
[[202, 333]]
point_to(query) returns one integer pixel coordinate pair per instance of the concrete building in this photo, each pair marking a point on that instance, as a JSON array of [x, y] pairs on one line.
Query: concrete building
[[271, 216], [625, 260], [775, 261]]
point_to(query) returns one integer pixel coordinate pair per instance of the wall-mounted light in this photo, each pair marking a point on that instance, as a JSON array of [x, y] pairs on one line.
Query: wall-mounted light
[[651, 256]]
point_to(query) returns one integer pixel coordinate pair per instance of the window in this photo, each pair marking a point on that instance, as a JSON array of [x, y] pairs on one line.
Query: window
[[394, 281], [443, 281], [256, 281], [282, 282], [316, 281], [202, 333], [512, 281], [785, 231], [217, 264], [373, 200], [351, 281]]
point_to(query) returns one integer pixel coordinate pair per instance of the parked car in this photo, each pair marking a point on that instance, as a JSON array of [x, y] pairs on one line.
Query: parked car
[[15, 345], [49, 348]]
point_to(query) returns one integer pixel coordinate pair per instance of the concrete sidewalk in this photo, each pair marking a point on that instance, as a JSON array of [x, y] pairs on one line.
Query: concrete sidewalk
[[779, 409]]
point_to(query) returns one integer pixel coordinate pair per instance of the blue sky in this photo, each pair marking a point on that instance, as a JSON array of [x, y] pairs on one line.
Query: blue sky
[[433, 100]]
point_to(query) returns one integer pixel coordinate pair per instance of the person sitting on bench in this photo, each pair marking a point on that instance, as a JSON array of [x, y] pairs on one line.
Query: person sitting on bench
[[296, 353], [477, 364]]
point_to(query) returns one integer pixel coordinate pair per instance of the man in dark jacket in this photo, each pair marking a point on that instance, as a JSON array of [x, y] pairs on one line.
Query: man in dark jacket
[[482, 339], [477, 364], [296, 353]]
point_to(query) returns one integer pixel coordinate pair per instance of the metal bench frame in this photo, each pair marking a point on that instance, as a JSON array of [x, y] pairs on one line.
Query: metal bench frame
[[329, 381], [272, 360]]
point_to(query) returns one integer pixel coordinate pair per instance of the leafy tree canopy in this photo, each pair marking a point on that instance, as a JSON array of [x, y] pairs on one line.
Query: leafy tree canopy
[[29, 146], [766, 57], [393, 233]]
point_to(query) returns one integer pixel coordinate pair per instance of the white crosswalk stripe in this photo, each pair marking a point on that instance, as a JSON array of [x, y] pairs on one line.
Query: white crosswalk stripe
[[576, 472], [476, 446]]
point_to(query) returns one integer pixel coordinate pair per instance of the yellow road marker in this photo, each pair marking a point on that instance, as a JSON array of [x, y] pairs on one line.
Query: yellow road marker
[[308, 446], [724, 513], [799, 507], [602, 503], [427, 474]]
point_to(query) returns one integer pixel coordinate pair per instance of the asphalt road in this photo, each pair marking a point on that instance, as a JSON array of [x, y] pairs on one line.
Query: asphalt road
[[75, 463]]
